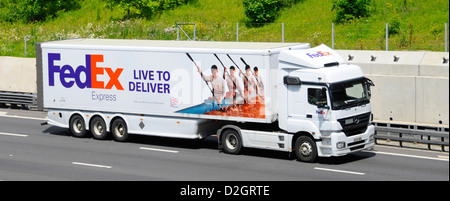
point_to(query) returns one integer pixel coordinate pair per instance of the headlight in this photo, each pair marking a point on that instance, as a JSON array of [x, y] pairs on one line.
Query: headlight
[[340, 145]]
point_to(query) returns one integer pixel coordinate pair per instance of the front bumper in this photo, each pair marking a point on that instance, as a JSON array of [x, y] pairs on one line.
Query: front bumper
[[338, 144]]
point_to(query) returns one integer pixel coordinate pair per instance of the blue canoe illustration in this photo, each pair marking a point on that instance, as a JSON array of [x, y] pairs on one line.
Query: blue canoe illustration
[[207, 106]]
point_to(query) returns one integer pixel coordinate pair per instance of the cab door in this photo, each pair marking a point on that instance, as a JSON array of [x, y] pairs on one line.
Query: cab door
[[303, 112], [316, 107]]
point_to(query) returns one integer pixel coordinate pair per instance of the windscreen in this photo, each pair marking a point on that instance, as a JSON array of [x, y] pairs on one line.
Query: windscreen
[[349, 94]]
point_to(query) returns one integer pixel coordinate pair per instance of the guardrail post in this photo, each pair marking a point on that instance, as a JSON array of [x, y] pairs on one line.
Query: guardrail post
[[442, 138], [387, 36], [178, 31], [388, 133], [446, 39], [194, 31], [400, 135], [25, 41], [237, 32], [429, 145], [332, 36]]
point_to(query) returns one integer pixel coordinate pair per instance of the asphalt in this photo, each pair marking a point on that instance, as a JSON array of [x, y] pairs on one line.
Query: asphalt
[[30, 151]]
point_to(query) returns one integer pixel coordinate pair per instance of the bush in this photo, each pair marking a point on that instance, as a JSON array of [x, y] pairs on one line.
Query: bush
[[394, 27], [146, 8], [264, 11], [347, 10], [169, 4], [261, 11], [33, 10]]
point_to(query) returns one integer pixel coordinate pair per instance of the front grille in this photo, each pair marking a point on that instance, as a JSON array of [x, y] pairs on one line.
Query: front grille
[[355, 125]]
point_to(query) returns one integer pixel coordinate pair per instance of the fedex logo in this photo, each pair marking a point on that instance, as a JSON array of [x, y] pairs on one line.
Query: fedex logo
[[318, 54], [69, 76]]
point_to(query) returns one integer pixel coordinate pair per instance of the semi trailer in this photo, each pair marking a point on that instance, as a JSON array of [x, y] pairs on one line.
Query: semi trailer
[[277, 96]]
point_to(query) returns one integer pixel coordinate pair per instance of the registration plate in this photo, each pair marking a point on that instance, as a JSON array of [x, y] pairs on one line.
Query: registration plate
[[357, 139]]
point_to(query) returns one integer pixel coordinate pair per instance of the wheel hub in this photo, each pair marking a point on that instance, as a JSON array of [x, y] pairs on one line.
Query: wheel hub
[[120, 129], [305, 148], [78, 125], [98, 128], [231, 141]]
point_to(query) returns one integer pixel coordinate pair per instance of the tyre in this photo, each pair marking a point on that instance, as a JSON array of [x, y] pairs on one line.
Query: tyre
[[305, 149], [77, 126], [98, 128], [119, 130], [232, 142]]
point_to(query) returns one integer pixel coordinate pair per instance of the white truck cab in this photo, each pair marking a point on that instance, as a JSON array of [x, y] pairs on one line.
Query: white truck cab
[[324, 100]]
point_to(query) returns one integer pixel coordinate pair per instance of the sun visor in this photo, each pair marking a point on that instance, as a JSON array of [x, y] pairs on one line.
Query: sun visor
[[317, 57]]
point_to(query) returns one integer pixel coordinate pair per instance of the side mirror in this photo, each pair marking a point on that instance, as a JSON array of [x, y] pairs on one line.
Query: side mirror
[[369, 83]]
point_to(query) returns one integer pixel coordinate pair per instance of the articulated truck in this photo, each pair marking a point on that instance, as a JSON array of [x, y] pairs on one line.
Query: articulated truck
[[277, 96]]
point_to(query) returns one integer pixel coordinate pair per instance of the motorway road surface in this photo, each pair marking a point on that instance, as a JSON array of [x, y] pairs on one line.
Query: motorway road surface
[[29, 151]]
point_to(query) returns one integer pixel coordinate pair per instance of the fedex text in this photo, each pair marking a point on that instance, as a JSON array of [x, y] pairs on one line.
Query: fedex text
[[318, 54], [70, 76]]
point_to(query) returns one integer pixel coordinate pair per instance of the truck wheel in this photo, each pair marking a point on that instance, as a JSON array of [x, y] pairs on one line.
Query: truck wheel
[[119, 130], [232, 142], [305, 149], [77, 126], [98, 128]]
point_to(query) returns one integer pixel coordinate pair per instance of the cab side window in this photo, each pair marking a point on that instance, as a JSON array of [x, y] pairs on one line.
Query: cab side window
[[316, 96]]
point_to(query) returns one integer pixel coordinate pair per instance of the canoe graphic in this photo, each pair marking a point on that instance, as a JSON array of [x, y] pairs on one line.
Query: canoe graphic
[[207, 106]]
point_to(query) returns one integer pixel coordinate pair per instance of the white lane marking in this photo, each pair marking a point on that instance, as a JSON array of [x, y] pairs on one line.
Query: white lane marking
[[341, 171], [91, 165], [13, 134], [161, 150], [23, 117], [411, 156]]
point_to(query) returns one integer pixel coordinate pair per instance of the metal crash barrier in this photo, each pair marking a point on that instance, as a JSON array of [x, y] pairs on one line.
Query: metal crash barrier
[[412, 133], [26, 100]]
